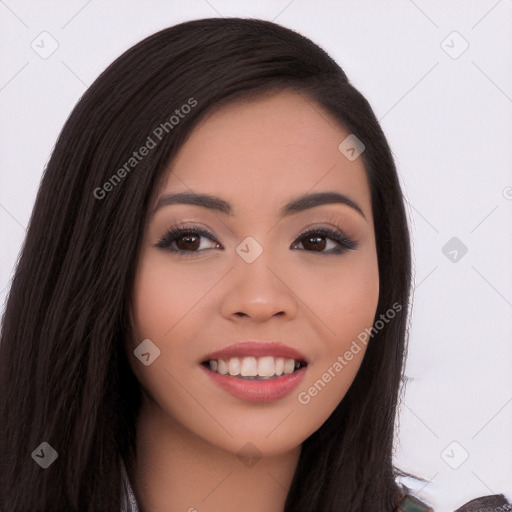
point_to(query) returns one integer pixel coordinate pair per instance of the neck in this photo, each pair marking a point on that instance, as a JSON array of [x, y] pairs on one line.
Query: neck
[[179, 471]]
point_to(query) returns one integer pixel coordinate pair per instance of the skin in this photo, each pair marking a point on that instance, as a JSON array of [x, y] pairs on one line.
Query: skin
[[257, 155]]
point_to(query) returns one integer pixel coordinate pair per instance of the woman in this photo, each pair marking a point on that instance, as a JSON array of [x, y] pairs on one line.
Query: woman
[[209, 311]]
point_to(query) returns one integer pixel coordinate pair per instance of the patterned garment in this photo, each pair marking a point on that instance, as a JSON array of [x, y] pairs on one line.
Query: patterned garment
[[411, 504], [495, 503], [128, 500]]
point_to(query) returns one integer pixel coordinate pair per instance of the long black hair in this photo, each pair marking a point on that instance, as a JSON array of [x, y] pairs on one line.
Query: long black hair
[[64, 375]]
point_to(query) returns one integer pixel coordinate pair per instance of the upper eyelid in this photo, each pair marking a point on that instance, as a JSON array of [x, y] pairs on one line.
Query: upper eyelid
[[320, 224], [207, 231]]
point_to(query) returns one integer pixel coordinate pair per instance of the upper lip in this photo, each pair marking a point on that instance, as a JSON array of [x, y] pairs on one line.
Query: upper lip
[[257, 349]]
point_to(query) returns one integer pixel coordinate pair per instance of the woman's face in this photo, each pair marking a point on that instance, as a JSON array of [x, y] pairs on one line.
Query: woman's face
[[261, 276]]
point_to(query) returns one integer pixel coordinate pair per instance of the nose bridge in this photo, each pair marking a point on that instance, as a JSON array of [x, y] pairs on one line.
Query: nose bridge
[[258, 289], [255, 263]]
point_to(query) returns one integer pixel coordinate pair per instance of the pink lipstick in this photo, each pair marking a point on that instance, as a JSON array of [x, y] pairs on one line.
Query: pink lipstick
[[256, 371]]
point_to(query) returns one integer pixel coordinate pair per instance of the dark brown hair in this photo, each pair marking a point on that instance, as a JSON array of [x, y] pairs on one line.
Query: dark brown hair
[[64, 376]]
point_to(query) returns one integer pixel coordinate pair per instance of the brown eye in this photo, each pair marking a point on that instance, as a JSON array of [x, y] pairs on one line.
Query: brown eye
[[186, 240], [315, 241]]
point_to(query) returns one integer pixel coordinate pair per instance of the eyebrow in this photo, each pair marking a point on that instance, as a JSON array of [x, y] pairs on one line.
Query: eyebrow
[[299, 204]]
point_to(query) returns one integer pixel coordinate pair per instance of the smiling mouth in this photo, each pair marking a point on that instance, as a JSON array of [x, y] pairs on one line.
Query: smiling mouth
[[254, 368]]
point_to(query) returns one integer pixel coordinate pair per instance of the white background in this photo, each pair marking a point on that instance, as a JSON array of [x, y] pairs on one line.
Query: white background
[[449, 124]]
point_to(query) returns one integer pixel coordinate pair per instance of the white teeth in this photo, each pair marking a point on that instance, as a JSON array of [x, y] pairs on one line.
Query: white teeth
[[265, 367], [289, 365], [223, 367], [249, 367], [234, 366], [279, 365]]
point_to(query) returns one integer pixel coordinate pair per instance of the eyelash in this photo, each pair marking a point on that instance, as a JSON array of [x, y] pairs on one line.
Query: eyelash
[[175, 233]]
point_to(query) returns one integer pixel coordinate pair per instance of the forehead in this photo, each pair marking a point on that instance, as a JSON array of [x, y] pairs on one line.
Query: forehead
[[265, 151]]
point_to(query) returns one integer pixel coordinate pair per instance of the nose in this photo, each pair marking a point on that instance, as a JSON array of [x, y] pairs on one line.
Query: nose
[[259, 290]]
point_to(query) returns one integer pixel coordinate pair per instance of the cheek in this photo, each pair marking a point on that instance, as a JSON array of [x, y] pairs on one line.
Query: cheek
[[344, 298], [155, 308], [344, 304], [165, 302], [166, 299], [163, 295]]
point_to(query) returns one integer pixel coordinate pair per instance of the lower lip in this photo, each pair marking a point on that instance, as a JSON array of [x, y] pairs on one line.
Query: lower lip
[[258, 390]]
